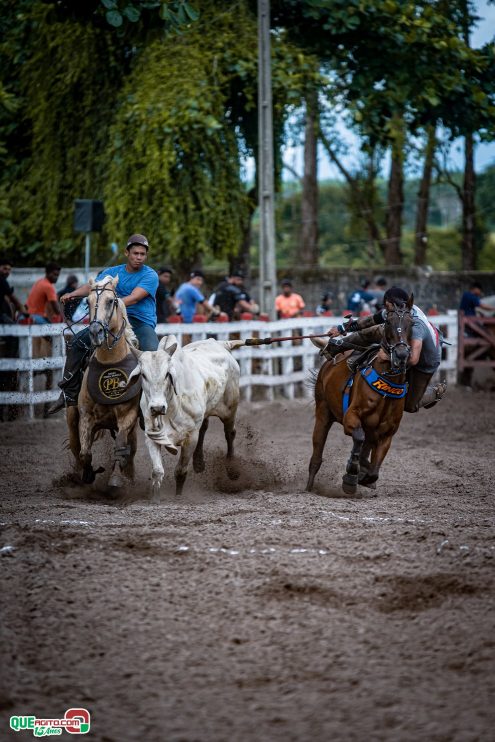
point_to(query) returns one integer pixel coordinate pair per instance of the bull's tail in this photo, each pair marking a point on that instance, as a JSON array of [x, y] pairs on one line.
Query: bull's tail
[[233, 344]]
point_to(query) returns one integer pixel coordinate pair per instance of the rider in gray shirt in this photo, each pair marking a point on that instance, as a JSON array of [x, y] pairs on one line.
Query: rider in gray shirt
[[425, 355]]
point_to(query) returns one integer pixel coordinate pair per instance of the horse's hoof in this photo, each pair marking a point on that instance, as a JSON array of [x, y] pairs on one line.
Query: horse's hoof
[[233, 472], [349, 483], [115, 481], [88, 476], [369, 480]]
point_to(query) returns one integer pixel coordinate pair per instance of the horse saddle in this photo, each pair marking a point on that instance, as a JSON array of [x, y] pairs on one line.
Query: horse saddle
[[108, 382]]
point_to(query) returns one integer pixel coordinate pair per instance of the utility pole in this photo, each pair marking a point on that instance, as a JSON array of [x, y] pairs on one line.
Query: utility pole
[[267, 264]]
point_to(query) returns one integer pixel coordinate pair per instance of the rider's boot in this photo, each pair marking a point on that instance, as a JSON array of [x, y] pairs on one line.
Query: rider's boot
[[75, 365], [433, 394]]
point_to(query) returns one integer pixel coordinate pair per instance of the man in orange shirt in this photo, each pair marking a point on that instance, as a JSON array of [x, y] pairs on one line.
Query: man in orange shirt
[[288, 304], [42, 301]]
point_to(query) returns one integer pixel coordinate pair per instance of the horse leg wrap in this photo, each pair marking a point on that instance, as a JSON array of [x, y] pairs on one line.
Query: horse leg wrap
[[122, 455]]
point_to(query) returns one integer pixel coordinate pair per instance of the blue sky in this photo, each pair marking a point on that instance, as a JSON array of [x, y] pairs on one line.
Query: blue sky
[[485, 153]]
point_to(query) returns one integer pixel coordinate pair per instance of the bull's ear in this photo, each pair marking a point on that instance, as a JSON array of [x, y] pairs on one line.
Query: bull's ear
[[166, 342], [410, 301]]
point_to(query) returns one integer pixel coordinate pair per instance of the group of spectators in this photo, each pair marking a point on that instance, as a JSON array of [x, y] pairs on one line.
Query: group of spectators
[[230, 298]]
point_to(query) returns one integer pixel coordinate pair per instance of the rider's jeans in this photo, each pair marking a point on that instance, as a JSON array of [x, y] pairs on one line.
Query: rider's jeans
[[145, 334]]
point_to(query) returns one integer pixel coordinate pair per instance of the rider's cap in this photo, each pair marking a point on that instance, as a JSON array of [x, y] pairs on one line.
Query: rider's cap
[[395, 295], [137, 239], [197, 274]]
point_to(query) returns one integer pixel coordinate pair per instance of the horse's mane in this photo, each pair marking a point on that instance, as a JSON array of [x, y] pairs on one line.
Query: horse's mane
[[128, 332]]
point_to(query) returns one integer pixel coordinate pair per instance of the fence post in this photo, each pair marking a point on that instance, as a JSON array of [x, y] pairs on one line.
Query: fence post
[[26, 377]]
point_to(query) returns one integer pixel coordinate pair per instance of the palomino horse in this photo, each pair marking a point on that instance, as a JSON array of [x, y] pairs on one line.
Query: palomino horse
[[376, 404], [111, 335]]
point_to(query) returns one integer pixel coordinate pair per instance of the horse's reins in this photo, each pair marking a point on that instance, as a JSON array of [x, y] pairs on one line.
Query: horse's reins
[[104, 325]]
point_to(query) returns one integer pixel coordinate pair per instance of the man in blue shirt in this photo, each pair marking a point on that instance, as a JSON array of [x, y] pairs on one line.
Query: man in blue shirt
[[360, 297], [472, 299], [188, 295], [137, 288]]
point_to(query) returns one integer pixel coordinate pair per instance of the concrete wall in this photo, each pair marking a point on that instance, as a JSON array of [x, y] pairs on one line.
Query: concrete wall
[[440, 288]]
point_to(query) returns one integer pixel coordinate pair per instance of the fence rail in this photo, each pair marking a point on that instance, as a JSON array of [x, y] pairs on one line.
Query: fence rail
[[284, 368]]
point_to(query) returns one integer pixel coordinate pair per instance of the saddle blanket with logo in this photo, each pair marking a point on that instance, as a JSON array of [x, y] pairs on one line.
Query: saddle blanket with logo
[[378, 383], [107, 382]]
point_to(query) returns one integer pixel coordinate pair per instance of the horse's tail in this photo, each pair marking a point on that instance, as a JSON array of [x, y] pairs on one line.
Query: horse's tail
[[310, 381]]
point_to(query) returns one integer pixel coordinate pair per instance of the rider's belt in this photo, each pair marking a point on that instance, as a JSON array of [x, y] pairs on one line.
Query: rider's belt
[[382, 385], [107, 382]]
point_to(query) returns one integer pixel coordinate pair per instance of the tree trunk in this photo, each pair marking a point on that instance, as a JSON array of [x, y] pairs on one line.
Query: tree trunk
[[309, 254], [240, 261], [395, 205], [421, 239], [363, 205], [469, 256]]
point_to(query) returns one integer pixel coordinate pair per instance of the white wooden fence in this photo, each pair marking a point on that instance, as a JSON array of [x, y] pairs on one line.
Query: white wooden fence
[[273, 368]]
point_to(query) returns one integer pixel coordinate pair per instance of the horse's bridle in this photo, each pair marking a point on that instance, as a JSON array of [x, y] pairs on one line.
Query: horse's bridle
[[98, 290], [390, 348]]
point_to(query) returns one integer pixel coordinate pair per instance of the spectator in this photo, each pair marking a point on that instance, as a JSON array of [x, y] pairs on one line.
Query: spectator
[[42, 302], [378, 290], [231, 297], [71, 284], [70, 307], [326, 304], [471, 299], [9, 303], [358, 299], [288, 304], [164, 302], [189, 297]]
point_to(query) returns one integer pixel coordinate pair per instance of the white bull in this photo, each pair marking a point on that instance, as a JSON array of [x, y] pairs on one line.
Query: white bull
[[182, 388]]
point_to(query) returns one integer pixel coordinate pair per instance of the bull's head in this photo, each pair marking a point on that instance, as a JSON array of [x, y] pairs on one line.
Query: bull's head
[[158, 375]]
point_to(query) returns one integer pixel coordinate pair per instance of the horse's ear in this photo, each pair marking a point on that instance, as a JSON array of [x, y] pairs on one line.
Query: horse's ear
[[91, 282], [410, 301], [115, 281], [170, 349]]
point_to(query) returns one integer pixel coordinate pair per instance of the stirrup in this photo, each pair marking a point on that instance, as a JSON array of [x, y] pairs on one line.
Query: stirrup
[[63, 401]]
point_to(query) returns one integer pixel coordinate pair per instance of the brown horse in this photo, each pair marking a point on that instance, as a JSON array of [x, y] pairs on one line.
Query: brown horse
[[110, 334], [371, 418]]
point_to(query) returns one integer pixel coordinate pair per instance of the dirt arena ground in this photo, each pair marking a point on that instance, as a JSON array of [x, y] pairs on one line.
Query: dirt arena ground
[[256, 611]]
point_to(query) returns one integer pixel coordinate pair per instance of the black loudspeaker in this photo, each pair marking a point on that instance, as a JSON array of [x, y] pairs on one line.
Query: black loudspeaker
[[89, 215]]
